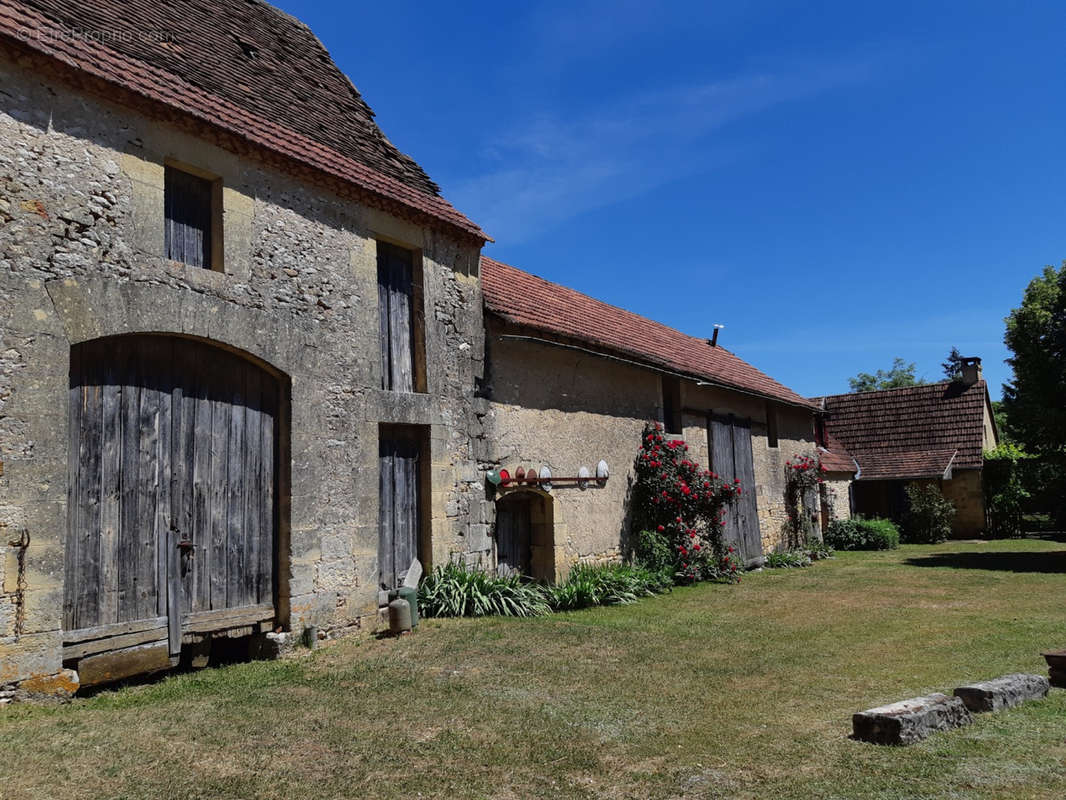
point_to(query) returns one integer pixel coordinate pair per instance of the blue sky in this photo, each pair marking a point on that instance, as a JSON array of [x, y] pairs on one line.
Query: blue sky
[[836, 183]]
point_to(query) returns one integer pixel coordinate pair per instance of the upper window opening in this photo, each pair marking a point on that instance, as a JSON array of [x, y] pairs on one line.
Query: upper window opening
[[771, 425], [400, 317], [192, 217], [672, 404]]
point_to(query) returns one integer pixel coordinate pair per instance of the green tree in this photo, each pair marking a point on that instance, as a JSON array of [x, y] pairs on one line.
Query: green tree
[[1035, 400], [999, 413], [953, 366], [901, 374]]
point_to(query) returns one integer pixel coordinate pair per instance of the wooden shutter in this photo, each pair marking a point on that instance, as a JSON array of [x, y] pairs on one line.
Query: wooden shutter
[[400, 511], [187, 209], [396, 312]]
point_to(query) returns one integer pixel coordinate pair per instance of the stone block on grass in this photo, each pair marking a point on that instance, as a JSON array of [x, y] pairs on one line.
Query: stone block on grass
[[1005, 692], [910, 721]]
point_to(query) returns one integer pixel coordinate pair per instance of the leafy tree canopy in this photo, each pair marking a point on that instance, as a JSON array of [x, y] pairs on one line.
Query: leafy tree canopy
[[1035, 400], [901, 374]]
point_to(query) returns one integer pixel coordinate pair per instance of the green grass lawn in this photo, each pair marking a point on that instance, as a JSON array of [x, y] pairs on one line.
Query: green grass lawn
[[710, 691]]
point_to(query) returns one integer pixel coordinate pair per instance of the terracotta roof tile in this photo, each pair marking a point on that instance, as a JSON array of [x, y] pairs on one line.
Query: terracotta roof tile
[[915, 431], [907, 464], [240, 65], [834, 457], [526, 300]]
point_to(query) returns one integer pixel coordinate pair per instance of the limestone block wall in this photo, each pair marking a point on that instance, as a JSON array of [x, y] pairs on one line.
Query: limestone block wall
[[564, 408], [964, 490], [81, 256], [838, 485], [795, 437]]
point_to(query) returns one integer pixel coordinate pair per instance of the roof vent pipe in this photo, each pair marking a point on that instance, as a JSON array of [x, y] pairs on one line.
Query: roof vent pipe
[[713, 341]]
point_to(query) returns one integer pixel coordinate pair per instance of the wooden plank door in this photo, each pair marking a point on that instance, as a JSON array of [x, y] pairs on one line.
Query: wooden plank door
[[746, 509], [731, 457], [172, 484], [399, 456], [513, 536]]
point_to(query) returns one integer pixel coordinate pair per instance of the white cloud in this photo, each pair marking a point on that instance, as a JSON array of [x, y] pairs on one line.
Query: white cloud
[[548, 168]]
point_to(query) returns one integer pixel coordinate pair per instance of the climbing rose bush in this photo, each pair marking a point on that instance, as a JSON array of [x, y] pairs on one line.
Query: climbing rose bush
[[803, 474], [680, 509]]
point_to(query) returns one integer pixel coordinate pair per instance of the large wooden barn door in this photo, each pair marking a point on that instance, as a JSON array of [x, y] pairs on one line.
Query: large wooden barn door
[[731, 458], [172, 493], [399, 452]]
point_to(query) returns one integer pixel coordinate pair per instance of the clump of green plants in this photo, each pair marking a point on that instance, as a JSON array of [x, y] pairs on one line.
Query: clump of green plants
[[862, 534], [929, 515], [788, 559], [680, 508], [1004, 490], [606, 585], [455, 590]]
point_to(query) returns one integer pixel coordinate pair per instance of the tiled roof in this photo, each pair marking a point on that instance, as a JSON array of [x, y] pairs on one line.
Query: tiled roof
[[834, 457], [240, 65], [907, 464], [915, 431], [534, 303]]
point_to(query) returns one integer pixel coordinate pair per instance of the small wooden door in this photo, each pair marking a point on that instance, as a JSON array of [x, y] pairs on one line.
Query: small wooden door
[[399, 455], [731, 457], [172, 484], [514, 535]]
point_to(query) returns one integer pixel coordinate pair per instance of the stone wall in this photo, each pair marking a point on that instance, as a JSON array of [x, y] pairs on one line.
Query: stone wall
[[795, 437], [965, 492], [81, 256], [838, 486], [566, 408]]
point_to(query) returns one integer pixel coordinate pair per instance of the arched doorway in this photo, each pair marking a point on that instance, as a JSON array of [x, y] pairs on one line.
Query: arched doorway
[[525, 537], [173, 487]]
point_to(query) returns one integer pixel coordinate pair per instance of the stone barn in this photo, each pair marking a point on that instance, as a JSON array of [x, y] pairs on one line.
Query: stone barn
[[933, 433], [241, 335], [572, 380]]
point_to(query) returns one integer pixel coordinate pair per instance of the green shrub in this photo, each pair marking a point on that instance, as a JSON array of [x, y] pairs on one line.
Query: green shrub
[[862, 534], [454, 590], [789, 559], [929, 515], [1005, 493], [653, 551], [605, 585]]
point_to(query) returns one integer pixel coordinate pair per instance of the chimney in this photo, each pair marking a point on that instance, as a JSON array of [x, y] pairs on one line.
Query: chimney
[[971, 370]]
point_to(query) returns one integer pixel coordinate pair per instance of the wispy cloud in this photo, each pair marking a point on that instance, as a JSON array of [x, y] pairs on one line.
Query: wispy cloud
[[548, 168]]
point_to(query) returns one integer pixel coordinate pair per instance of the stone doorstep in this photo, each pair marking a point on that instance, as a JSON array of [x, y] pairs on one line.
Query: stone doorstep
[[910, 721], [1003, 692]]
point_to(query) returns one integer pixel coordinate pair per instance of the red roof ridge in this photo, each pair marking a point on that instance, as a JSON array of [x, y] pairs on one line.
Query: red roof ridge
[[604, 303], [532, 301]]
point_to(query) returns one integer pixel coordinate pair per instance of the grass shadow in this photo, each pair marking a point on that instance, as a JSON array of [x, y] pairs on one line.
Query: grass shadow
[[1004, 562]]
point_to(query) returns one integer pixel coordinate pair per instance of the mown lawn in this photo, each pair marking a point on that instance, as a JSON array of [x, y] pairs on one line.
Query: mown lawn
[[711, 691]]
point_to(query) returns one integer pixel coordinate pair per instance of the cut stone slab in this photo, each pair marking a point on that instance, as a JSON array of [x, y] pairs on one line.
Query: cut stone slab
[[910, 721], [1005, 692]]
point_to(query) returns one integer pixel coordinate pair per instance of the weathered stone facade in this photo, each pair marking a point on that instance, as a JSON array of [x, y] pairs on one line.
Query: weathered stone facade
[[965, 491], [81, 257], [565, 408]]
